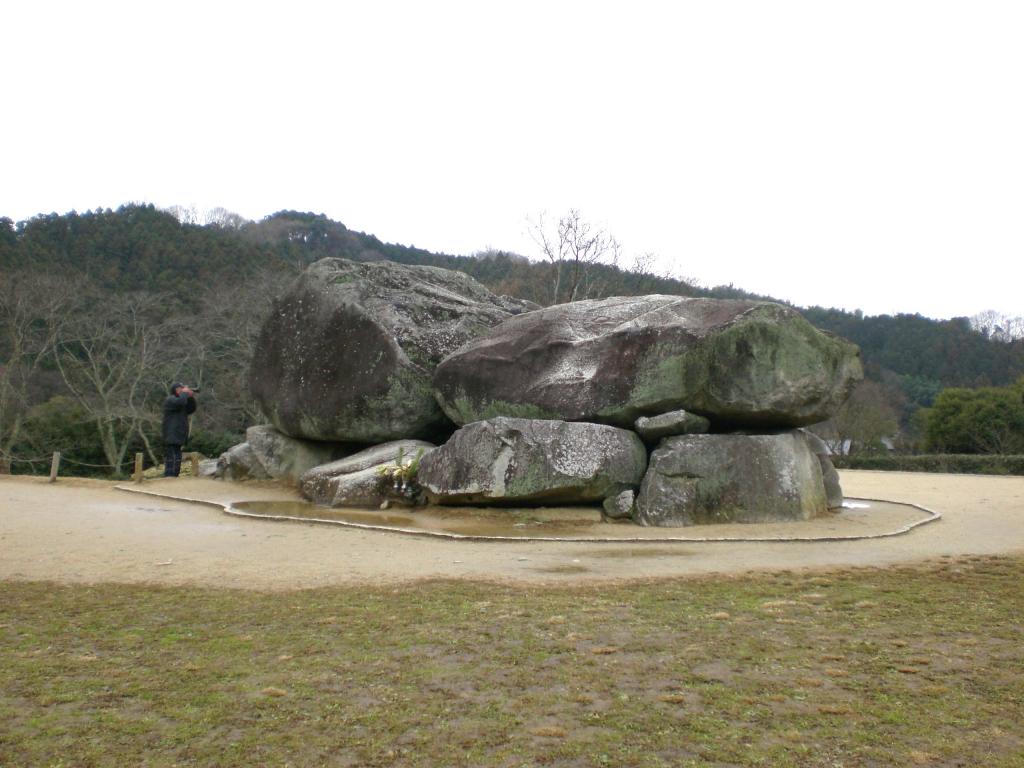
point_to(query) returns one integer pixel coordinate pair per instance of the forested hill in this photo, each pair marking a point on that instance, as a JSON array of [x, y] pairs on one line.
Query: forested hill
[[142, 248]]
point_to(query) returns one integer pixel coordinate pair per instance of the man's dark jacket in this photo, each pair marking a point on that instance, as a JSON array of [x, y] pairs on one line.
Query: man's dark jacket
[[176, 412]]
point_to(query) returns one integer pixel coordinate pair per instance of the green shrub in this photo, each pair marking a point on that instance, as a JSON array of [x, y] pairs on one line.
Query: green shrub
[[987, 420], [971, 464]]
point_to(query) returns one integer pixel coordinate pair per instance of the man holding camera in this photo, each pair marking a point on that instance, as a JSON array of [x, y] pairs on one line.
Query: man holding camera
[[177, 408]]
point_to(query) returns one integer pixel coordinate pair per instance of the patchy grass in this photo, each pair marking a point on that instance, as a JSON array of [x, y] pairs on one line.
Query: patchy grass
[[903, 666]]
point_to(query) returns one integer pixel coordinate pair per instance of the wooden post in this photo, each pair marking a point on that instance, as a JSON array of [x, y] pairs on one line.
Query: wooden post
[[54, 466], [194, 458], [5, 466], [137, 477]]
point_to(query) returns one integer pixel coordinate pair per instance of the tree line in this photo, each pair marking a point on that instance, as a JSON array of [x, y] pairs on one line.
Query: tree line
[[100, 311]]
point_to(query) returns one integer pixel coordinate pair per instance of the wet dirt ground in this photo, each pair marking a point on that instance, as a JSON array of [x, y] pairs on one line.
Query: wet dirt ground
[[82, 531]]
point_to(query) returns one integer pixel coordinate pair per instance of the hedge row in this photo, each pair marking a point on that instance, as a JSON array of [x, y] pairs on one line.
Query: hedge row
[[979, 464]]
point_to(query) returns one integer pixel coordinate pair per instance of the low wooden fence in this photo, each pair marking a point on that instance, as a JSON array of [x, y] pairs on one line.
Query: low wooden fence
[[55, 462]]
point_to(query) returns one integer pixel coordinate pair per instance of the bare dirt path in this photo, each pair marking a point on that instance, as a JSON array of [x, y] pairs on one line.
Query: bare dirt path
[[81, 531]]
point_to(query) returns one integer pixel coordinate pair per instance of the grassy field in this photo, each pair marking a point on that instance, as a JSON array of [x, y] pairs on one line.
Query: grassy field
[[912, 666]]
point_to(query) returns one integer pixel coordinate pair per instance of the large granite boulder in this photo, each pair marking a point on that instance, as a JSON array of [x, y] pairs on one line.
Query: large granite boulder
[[611, 361], [268, 454], [355, 481], [526, 461], [833, 491], [736, 478], [348, 353]]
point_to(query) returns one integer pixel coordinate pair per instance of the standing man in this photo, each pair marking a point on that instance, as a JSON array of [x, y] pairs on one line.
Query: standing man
[[177, 408]]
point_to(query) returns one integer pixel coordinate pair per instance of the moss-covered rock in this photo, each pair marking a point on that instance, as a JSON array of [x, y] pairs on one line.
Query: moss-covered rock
[[833, 490], [355, 481], [735, 478], [268, 454]]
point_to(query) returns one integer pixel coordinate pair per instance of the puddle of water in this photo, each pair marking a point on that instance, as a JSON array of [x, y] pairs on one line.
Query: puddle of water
[[857, 519], [466, 521], [630, 552], [302, 509], [563, 569]]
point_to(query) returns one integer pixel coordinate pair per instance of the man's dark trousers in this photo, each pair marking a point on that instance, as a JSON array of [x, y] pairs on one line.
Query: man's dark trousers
[[172, 460]]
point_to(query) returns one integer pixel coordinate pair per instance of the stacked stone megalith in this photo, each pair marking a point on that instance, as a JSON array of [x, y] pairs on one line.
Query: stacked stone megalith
[[666, 410]]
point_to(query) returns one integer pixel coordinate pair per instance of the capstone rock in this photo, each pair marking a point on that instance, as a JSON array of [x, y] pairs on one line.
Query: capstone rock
[[348, 352], [733, 478], [737, 363], [527, 461]]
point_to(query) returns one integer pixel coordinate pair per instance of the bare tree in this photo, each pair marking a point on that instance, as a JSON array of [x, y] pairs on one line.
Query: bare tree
[[224, 219], [573, 247], [998, 326], [862, 421], [33, 313], [225, 337], [185, 214], [110, 359]]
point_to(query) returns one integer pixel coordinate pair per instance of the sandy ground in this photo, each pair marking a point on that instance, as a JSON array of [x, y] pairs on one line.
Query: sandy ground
[[81, 531]]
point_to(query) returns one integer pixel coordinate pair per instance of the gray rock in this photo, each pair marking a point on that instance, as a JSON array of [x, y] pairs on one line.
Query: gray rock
[[355, 481], [241, 462], [267, 454], [833, 490], [348, 353], [620, 507], [517, 306], [208, 468], [652, 429], [702, 479], [532, 461], [612, 361], [286, 457]]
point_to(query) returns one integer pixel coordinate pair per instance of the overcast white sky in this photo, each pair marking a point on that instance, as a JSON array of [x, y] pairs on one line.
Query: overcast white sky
[[866, 154]]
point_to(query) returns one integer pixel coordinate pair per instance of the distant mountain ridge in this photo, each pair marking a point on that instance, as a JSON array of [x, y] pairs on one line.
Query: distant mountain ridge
[[142, 248]]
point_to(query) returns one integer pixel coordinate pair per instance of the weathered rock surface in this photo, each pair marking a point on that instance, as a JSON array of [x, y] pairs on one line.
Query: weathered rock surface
[[620, 507], [833, 491], [240, 462], [701, 479], [652, 429], [208, 468], [268, 454], [612, 361], [355, 481], [348, 353], [505, 460]]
